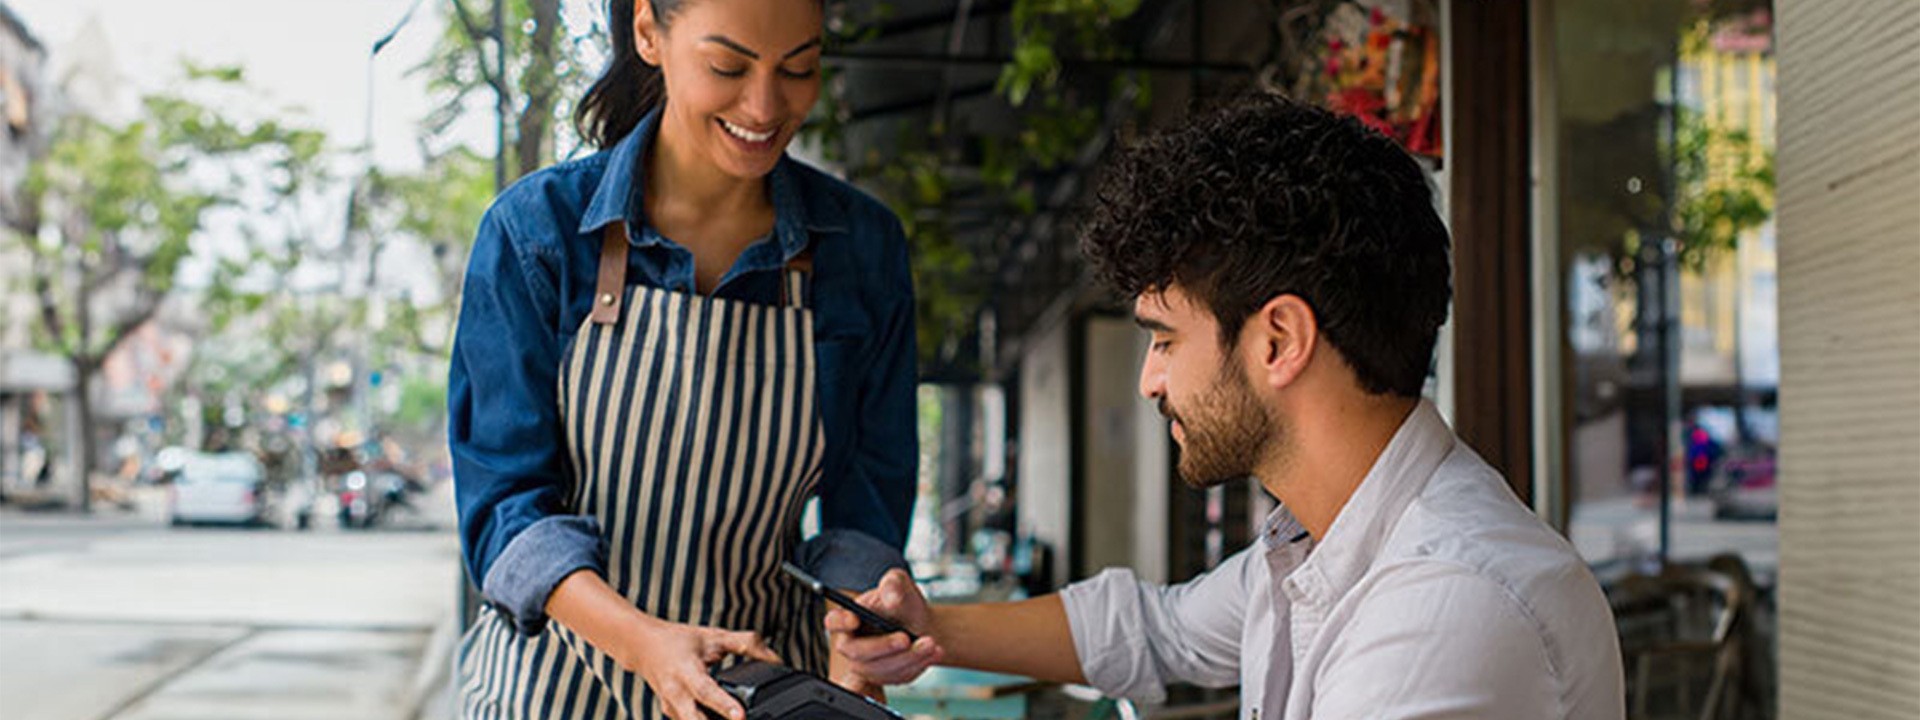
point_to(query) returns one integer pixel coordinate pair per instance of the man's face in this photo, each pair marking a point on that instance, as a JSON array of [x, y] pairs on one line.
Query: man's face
[[1202, 388]]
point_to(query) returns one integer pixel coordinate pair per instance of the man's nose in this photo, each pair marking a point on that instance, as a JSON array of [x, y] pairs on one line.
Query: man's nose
[[1153, 379]]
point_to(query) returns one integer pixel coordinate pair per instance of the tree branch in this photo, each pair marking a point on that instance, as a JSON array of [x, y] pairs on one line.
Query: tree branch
[[476, 34], [49, 308], [124, 329], [540, 85]]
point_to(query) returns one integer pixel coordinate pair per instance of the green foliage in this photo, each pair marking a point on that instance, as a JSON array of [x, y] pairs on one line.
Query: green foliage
[[1039, 26], [440, 204], [916, 178], [1723, 186], [826, 127], [423, 402], [544, 75], [131, 197], [125, 204]]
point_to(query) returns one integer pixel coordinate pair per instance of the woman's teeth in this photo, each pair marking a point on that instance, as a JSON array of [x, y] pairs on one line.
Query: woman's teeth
[[745, 134]]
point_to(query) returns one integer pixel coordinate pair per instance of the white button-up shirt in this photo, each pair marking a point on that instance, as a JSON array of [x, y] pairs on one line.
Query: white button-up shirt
[[1434, 594]]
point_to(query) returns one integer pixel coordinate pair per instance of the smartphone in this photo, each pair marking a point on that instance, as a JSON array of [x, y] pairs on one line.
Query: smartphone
[[871, 623]]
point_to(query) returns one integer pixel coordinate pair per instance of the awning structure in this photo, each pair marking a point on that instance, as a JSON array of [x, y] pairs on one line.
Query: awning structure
[[919, 94]]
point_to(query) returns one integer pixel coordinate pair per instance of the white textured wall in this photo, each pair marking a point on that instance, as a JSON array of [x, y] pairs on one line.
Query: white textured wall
[[1153, 478], [1046, 457], [1109, 369], [1124, 455], [1849, 169]]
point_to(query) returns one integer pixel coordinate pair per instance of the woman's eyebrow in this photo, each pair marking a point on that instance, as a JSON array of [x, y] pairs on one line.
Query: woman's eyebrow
[[731, 44], [805, 46]]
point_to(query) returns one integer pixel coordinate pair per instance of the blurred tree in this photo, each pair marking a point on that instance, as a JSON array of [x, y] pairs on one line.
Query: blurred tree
[[272, 343], [541, 60], [439, 206], [126, 203]]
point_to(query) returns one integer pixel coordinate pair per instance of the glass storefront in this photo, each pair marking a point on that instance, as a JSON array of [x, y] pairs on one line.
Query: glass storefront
[[1663, 118]]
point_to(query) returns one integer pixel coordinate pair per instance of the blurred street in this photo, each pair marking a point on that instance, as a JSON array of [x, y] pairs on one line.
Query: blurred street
[[121, 616]]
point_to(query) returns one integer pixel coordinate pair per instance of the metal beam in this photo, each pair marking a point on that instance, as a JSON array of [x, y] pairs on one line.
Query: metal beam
[[916, 103], [941, 18]]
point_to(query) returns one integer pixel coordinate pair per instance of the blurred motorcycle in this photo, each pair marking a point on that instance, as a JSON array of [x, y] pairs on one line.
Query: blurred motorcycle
[[367, 499]]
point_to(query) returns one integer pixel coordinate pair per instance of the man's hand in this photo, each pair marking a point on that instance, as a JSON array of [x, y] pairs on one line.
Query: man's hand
[[887, 659]]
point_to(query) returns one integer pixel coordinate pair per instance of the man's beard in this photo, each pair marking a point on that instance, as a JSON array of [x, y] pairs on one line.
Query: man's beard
[[1227, 431]]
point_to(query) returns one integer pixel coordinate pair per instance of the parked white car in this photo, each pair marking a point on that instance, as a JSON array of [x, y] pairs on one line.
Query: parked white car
[[220, 488]]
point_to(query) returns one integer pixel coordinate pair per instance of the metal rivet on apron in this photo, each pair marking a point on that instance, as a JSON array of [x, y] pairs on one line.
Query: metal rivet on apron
[[606, 299]]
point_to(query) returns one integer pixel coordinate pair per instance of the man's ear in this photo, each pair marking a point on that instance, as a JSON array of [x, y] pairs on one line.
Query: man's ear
[[646, 33], [1285, 333]]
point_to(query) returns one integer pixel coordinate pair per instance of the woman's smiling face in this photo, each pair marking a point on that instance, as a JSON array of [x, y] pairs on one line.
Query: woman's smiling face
[[740, 76]]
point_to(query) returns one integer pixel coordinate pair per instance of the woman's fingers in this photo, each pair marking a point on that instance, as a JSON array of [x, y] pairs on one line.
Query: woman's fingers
[[747, 644], [708, 693], [678, 701]]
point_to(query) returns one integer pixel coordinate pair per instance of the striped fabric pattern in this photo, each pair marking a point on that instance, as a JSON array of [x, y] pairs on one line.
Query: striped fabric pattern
[[695, 440]]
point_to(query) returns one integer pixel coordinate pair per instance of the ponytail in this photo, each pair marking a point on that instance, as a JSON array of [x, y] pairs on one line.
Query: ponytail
[[629, 88]]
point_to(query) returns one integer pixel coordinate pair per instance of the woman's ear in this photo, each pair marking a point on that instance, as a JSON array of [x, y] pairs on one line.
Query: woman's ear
[[1287, 333], [646, 33]]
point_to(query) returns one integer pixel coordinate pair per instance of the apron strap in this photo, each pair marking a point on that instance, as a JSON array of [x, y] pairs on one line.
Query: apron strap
[[612, 285], [798, 277], [610, 290]]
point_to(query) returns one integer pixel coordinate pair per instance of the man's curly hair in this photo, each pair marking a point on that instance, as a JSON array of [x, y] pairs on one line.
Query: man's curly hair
[[1267, 197]]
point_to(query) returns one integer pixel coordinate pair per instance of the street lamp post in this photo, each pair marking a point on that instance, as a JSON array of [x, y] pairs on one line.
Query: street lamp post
[[362, 374]]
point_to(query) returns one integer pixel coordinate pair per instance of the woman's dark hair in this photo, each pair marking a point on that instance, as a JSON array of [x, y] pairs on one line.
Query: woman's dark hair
[[1270, 197], [629, 88]]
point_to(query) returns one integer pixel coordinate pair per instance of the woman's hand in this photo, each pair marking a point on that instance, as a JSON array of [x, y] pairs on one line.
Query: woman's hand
[[673, 659]]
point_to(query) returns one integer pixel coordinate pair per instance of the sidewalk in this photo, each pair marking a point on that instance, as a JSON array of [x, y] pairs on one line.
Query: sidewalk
[[121, 616]]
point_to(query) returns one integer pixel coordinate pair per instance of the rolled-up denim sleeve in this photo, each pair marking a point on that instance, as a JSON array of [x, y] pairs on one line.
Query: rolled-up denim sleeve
[[875, 498], [848, 559], [1134, 638], [536, 560], [518, 538]]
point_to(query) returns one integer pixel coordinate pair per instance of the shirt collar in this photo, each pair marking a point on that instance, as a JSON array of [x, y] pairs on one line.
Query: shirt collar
[[1279, 529], [797, 209], [1369, 517]]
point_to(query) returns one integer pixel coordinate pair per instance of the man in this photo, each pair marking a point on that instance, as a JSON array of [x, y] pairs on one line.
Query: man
[[1293, 274]]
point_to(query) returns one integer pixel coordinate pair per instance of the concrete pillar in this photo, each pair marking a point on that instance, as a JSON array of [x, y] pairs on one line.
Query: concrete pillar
[[1849, 218]]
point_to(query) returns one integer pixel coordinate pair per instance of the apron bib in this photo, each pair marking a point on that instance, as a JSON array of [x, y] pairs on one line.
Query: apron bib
[[694, 438]]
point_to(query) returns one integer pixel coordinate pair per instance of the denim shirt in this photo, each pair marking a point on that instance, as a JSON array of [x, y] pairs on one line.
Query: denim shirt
[[529, 285]]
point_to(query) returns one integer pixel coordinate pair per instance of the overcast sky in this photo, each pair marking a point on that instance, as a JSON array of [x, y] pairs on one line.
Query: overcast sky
[[306, 53]]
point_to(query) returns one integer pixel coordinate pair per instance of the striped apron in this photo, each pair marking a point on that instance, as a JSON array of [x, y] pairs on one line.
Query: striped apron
[[694, 438]]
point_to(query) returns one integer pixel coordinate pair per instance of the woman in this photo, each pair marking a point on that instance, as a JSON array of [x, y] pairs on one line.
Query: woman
[[664, 350]]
